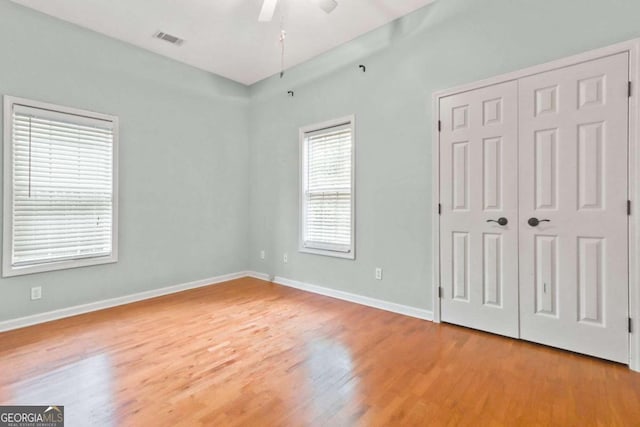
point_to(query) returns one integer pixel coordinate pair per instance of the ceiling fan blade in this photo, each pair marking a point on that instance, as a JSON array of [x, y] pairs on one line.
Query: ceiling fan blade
[[326, 5], [267, 11]]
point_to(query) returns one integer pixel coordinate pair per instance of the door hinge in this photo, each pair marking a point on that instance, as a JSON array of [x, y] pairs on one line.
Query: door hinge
[[629, 90], [439, 126], [439, 209], [630, 325], [628, 207], [439, 291]]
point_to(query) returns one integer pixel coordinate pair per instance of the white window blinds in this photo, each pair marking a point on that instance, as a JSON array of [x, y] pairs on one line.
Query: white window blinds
[[62, 186], [328, 189]]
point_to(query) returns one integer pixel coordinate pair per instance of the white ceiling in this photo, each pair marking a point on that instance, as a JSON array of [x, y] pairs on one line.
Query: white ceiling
[[224, 36]]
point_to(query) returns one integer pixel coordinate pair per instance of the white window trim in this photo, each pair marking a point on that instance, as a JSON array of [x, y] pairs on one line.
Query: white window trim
[[9, 270], [348, 253]]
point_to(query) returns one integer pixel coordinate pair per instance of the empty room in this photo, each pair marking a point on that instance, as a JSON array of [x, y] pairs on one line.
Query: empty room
[[320, 213]]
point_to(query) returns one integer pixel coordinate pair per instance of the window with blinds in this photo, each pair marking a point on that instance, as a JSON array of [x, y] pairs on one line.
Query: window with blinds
[[327, 207], [59, 188]]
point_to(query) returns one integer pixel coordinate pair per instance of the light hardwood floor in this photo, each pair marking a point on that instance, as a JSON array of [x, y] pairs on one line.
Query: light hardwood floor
[[252, 353]]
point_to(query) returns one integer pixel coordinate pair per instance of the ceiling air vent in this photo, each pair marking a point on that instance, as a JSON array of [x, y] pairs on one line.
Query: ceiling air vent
[[168, 38]]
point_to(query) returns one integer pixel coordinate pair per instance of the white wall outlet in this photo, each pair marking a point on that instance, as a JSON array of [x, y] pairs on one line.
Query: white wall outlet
[[378, 273], [262, 254], [285, 258], [36, 293]]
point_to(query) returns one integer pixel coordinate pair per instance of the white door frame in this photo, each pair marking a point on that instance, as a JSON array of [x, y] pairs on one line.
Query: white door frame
[[633, 48]]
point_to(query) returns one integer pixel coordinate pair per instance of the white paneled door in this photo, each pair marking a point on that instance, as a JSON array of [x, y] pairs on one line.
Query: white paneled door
[[479, 233], [534, 215], [573, 207]]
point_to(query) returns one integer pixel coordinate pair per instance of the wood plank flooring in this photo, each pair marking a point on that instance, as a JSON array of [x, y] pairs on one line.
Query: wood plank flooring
[[250, 353]]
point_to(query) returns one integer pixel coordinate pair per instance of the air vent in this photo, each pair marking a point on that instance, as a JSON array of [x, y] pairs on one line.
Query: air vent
[[168, 38]]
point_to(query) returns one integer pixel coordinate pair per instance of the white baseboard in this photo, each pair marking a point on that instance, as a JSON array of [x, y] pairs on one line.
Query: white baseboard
[[358, 299], [48, 316], [22, 322], [257, 275]]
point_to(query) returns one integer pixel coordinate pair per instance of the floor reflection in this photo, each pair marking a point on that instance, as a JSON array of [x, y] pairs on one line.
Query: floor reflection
[[331, 369], [83, 387]]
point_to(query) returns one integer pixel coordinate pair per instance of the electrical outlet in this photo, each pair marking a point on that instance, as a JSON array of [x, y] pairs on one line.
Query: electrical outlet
[[262, 254], [285, 258], [36, 293], [378, 273]]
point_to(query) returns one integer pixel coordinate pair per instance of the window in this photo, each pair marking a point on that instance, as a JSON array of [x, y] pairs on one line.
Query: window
[[60, 187], [327, 186]]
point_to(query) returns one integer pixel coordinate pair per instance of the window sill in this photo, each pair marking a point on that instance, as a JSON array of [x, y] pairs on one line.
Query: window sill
[[11, 271], [325, 252]]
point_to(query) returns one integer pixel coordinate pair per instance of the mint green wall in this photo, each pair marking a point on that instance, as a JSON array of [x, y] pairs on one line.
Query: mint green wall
[[445, 44], [209, 168], [183, 158]]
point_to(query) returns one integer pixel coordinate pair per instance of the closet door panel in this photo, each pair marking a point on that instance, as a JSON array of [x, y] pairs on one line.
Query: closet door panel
[[573, 207], [478, 166]]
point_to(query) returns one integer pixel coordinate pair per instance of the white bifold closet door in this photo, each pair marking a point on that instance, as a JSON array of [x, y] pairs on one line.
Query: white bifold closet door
[[547, 157], [573, 173], [478, 185]]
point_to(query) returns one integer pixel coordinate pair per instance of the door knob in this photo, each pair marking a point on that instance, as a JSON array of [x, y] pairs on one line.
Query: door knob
[[535, 221], [501, 221]]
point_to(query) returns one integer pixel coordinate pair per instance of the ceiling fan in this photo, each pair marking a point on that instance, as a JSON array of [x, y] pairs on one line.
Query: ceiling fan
[[269, 8]]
